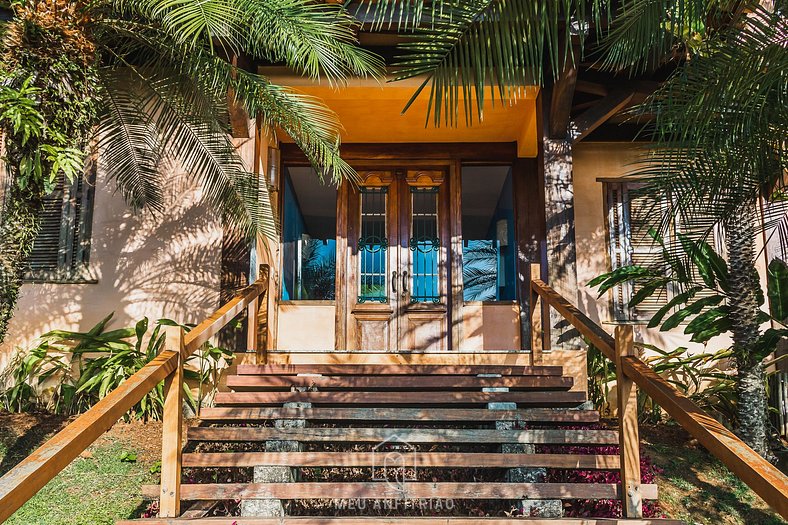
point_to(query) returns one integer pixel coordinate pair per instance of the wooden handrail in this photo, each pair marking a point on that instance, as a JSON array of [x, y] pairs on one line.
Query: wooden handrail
[[22, 482], [211, 326], [760, 475]]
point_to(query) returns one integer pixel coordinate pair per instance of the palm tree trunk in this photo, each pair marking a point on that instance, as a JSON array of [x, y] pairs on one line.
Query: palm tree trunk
[[751, 385], [19, 225]]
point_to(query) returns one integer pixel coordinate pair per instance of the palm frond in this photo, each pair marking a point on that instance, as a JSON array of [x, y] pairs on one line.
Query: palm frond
[[307, 120], [200, 144], [129, 143], [468, 45], [191, 22], [480, 271], [315, 39], [721, 123], [645, 32]]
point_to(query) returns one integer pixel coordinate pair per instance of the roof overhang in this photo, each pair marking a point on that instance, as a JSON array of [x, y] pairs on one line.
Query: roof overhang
[[372, 112]]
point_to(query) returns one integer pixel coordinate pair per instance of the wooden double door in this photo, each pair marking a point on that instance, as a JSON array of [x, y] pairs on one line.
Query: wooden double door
[[398, 271]]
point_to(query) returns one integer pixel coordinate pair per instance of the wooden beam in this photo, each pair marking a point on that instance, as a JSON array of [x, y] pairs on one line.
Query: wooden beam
[[562, 94], [211, 326], [405, 491], [535, 311], [468, 151], [408, 435], [594, 117], [22, 482], [434, 382], [761, 476], [592, 88], [172, 430], [587, 328], [239, 117], [540, 399], [399, 370], [550, 415], [411, 459]]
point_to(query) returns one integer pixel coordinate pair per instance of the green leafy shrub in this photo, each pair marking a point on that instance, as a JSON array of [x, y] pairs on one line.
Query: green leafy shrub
[[68, 372], [699, 277]]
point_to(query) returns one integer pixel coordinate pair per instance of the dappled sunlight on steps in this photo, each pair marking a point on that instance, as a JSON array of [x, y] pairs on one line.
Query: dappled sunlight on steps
[[470, 435]]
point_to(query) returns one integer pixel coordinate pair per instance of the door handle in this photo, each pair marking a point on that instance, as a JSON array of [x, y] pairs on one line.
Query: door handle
[[394, 281], [405, 283]]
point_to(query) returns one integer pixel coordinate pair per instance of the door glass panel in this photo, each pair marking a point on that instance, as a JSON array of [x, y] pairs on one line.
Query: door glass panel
[[488, 248], [373, 246], [424, 246], [308, 237]]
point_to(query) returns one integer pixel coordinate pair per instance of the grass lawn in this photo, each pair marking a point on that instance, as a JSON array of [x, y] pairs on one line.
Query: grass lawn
[[99, 487], [698, 489], [103, 485]]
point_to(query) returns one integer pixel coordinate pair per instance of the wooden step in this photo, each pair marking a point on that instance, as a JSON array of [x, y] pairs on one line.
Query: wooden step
[[407, 490], [406, 435], [407, 370], [431, 382], [418, 459], [541, 399], [256, 414], [389, 520]]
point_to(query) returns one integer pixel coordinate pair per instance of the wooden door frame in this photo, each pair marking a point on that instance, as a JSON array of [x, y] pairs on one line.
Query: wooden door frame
[[528, 203], [345, 231]]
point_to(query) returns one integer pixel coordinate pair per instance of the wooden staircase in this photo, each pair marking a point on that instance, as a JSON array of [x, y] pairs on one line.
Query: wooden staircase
[[321, 444], [290, 437]]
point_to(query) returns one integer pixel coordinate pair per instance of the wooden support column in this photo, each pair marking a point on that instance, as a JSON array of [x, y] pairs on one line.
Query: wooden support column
[[172, 430], [629, 438], [252, 326], [535, 317]]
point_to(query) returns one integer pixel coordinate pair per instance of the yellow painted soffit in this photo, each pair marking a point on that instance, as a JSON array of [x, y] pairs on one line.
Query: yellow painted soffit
[[371, 111]]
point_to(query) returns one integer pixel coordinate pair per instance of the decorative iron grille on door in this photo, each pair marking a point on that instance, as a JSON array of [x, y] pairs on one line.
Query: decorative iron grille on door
[[424, 244], [373, 246]]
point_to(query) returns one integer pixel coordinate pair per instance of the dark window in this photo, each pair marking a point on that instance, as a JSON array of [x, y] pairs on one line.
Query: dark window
[[488, 236], [61, 250], [308, 237]]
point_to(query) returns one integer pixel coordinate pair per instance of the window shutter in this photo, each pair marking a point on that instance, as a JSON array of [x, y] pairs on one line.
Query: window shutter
[[618, 244], [62, 247], [644, 250], [630, 243], [46, 255]]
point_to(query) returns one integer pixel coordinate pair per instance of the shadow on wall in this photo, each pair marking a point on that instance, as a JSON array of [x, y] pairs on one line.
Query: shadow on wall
[[162, 265]]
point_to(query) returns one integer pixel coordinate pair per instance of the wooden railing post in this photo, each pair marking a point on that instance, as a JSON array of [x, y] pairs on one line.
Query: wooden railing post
[[535, 316], [172, 430], [628, 436], [252, 325]]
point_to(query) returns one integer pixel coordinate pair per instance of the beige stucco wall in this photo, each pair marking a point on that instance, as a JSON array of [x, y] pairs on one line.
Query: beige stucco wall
[[594, 160], [490, 327], [145, 264]]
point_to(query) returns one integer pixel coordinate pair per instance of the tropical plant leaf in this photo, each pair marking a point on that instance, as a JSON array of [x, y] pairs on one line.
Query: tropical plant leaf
[[691, 309], [681, 298], [777, 289]]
